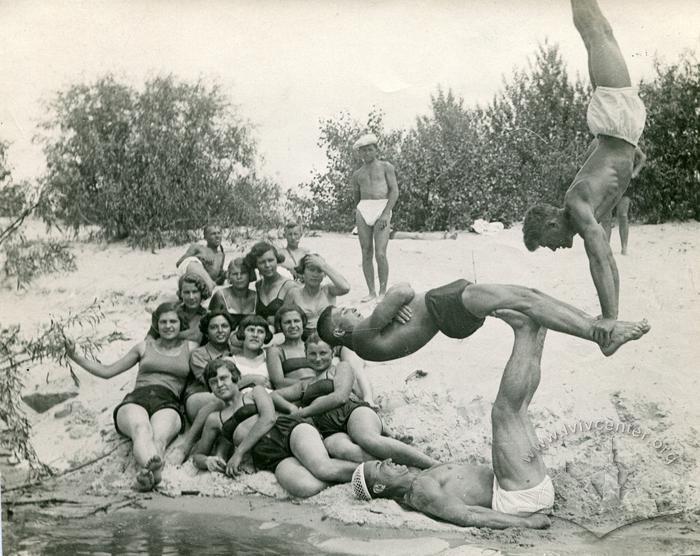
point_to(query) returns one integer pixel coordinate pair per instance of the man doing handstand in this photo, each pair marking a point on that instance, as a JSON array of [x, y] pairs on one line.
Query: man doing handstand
[[405, 321], [616, 116], [474, 495]]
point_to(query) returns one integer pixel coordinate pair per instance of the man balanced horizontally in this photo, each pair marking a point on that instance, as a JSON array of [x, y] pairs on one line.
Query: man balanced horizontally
[[375, 191], [616, 117]]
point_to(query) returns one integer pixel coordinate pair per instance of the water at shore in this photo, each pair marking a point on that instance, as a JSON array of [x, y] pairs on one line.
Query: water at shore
[[153, 532]]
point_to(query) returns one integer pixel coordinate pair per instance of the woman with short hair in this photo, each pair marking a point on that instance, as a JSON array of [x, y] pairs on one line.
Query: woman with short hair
[[151, 415]]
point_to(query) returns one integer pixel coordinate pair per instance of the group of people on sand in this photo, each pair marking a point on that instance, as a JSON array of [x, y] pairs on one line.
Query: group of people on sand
[[276, 372]]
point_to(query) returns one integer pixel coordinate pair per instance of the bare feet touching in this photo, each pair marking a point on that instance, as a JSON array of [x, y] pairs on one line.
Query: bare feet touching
[[624, 332], [368, 298], [150, 475]]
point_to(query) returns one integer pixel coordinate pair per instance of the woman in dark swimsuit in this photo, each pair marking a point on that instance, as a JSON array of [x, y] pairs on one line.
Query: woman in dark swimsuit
[[351, 428], [286, 362], [197, 398], [151, 415], [286, 445], [272, 288]]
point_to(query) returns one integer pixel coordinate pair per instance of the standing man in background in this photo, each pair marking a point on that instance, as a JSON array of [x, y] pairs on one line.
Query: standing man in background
[[376, 192]]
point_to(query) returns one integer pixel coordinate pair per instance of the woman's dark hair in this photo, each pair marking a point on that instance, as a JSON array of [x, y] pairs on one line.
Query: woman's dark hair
[[301, 267], [213, 366], [258, 250], [253, 320], [206, 319], [192, 278], [161, 310], [243, 263], [289, 308]]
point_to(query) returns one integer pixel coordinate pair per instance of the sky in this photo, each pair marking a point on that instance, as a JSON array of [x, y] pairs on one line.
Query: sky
[[288, 64]]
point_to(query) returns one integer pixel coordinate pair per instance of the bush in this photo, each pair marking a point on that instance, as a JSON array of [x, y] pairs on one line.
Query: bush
[[28, 259], [668, 188], [149, 165]]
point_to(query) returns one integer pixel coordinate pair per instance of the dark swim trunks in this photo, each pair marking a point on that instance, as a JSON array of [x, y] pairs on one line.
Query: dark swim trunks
[[274, 447], [447, 309], [152, 399], [336, 420]]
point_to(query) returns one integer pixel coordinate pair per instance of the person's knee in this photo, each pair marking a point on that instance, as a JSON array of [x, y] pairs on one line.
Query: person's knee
[[367, 252], [505, 408], [381, 257], [298, 484]]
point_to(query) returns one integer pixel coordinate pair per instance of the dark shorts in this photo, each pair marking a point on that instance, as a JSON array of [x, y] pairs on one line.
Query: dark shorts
[[152, 399], [447, 310], [336, 420], [193, 387], [274, 447]]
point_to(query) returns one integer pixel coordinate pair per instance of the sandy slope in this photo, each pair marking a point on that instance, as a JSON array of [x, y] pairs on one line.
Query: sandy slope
[[652, 383]]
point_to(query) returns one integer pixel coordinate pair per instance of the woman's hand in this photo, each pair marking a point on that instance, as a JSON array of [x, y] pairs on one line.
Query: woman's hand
[[234, 464], [215, 463], [69, 346]]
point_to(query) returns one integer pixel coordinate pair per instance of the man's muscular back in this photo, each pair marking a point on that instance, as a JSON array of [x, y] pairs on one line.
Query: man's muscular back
[[600, 183]]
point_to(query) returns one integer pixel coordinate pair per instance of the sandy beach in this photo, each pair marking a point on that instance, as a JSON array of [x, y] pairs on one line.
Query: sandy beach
[[586, 408]]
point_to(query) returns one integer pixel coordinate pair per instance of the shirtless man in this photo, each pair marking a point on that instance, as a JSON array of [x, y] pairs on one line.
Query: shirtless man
[[616, 117], [375, 191], [405, 320], [293, 254], [207, 260], [473, 495], [623, 206]]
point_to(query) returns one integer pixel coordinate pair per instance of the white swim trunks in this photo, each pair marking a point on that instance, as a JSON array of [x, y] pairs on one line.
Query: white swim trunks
[[514, 502], [182, 267], [371, 209], [618, 112]]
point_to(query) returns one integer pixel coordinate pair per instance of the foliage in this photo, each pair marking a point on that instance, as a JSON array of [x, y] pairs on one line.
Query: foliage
[[669, 186], [16, 355], [151, 164], [28, 259]]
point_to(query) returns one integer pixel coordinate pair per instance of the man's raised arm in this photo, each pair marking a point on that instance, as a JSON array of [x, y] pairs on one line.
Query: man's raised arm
[[386, 311]]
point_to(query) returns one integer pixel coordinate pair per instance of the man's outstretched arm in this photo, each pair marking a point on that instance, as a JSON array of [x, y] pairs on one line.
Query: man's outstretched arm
[[450, 508], [603, 269]]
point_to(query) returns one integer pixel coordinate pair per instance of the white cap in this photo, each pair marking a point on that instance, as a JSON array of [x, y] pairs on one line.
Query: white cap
[[359, 485], [366, 139]]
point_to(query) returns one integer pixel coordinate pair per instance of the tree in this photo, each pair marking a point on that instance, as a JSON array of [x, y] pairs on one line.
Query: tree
[[145, 164], [669, 187]]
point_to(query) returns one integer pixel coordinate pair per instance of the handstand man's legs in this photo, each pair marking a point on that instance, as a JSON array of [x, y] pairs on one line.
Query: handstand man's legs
[[517, 462], [606, 66]]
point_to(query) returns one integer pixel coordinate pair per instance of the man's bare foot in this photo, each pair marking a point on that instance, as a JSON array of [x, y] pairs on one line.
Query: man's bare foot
[[624, 332], [144, 480], [368, 298], [155, 466]]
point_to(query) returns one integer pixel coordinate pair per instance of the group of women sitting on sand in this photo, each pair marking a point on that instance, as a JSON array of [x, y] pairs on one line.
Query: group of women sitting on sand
[[249, 376]]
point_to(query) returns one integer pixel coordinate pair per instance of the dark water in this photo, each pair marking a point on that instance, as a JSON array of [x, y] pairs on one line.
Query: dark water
[[152, 533]]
